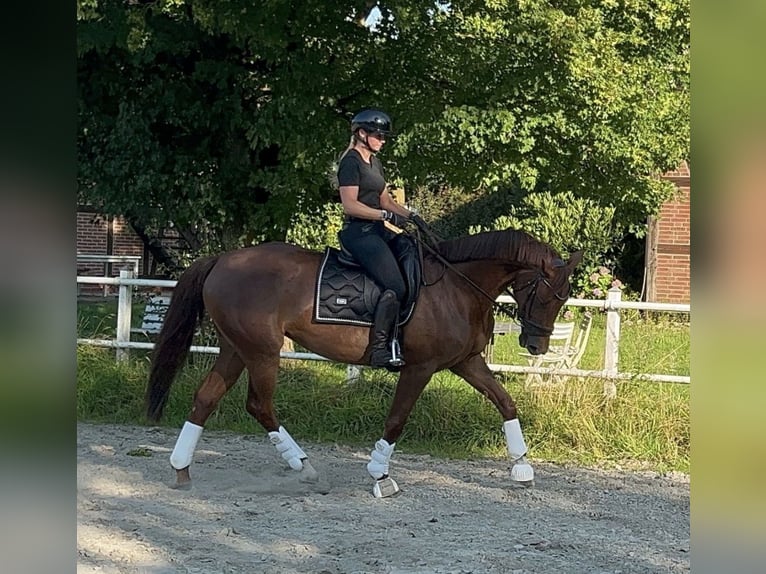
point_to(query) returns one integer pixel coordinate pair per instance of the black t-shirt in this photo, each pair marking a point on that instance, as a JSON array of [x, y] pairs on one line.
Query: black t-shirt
[[354, 171]]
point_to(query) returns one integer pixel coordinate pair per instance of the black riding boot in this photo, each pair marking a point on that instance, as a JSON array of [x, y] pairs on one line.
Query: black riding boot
[[386, 316]]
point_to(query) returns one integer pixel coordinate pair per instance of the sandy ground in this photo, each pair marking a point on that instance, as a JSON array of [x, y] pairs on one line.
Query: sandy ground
[[247, 512]]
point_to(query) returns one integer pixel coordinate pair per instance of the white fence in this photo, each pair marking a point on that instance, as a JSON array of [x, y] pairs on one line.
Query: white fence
[[612, 305]]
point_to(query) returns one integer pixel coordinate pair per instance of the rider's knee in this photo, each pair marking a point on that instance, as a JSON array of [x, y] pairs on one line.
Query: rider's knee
[[393, 293], [388, 295]]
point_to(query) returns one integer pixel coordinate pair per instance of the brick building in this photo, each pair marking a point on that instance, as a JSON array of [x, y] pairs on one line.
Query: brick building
[[98, 234], [668, 245]]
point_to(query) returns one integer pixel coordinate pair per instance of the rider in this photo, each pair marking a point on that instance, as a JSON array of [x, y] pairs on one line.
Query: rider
[[366, 205]]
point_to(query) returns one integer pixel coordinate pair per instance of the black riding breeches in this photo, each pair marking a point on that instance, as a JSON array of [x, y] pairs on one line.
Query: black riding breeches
[[367, 242]]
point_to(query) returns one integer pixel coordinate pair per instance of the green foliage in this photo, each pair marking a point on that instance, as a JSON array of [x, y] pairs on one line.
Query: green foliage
[[317, 230], [595, 283], [222, 117], [453, 211], [590, 97]]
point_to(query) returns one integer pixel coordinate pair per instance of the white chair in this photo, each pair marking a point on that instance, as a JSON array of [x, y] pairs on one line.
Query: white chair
[[564, 352], [577, 349]]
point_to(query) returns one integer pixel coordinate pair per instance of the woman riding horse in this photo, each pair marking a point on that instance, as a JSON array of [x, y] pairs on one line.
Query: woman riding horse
[[366, 205], [259, 295]]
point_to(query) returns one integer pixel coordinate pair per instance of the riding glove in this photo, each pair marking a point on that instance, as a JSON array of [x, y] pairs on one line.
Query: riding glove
[[419, 222], [395, 218]]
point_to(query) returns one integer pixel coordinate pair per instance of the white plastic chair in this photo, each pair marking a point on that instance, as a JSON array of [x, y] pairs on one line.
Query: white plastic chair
[[564, 351]]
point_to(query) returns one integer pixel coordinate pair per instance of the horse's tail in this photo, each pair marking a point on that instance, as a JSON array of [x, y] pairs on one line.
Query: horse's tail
[[175, 338]]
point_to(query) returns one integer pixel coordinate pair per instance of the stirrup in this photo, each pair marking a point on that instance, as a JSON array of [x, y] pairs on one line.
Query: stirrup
[[396, 354]]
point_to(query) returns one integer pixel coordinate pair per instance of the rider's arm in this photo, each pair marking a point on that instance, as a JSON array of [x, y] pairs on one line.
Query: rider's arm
[[389, 204], [349, 197]]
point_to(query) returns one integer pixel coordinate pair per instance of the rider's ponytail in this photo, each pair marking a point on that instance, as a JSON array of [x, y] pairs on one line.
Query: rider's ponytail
[[333, 172]]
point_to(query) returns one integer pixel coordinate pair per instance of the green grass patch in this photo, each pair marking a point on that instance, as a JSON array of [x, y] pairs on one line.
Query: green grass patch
[[657, 344], [98, 318]]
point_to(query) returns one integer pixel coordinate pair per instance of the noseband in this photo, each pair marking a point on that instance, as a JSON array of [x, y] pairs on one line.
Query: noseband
[[535, 329]]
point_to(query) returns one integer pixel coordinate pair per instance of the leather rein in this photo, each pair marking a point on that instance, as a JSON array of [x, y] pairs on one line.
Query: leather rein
[[515, 313]]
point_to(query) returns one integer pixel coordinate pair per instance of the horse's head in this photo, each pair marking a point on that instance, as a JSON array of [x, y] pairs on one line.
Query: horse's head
[[540, 294]]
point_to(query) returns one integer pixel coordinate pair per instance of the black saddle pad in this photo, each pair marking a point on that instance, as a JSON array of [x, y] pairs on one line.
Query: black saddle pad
[[346, 295]]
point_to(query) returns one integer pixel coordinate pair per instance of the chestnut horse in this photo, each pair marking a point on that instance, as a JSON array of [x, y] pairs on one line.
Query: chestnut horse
[[256, 296]]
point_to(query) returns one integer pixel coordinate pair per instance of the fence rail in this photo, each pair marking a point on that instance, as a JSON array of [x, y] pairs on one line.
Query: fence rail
[[612, 305]]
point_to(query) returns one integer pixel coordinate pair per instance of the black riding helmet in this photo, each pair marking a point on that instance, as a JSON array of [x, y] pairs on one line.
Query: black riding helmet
[[372, 121]]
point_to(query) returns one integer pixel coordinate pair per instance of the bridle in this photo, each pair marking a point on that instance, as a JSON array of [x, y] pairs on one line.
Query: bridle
[[532, 327], [517, 313]]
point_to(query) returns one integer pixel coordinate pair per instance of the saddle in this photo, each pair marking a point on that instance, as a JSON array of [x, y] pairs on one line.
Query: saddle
[[346, 295]]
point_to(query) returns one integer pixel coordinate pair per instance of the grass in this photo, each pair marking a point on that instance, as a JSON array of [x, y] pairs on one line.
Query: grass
[[646, 426], [653, 344], [98, 318]]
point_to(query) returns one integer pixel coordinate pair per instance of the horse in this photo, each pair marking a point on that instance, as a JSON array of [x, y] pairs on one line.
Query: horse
[[256, 296]]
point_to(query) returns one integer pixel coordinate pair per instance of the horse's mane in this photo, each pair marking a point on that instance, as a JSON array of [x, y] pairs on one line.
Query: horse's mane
[[508, 245]]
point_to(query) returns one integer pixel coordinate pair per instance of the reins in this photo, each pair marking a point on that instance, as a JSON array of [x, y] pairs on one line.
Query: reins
[[514, 313], [452, 268]]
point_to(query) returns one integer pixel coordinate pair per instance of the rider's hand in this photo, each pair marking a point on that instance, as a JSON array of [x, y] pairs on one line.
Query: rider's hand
[[419, 222], [395, 219]]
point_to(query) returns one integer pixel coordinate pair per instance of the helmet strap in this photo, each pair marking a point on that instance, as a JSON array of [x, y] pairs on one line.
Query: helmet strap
[[364, 141]]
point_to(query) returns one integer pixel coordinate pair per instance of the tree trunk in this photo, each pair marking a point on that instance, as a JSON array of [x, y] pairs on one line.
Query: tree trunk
[[159, 252]]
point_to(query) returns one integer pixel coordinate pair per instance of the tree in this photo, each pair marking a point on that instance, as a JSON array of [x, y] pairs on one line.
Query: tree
[[224, 116], [590, 97], [218, 116]]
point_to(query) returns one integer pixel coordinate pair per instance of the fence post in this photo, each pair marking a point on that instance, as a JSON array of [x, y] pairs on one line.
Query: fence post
[[612, 349], [124, 310]]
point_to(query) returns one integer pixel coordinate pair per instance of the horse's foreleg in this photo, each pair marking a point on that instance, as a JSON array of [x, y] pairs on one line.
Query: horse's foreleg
[[221, 378], [475, 371], [260, 404], [412, 381]]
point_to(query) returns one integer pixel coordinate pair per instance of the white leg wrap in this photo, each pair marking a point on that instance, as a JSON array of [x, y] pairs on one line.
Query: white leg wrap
[[185, 445], [514, 439], [288, 448], [521, 471], [379, 459]]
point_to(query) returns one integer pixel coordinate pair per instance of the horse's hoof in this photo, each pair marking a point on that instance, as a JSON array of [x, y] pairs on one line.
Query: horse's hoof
[[385, 487], [308, 474], [183, 479], [522, 472]]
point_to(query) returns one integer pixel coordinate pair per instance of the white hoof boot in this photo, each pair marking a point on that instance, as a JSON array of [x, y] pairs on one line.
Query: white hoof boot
[[522, 471], [385, 487], [288, 448], [380, 459]]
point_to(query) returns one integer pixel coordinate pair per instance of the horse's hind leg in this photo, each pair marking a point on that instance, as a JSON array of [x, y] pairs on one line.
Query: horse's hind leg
[[412, 381], [219, 380], [260, 404]]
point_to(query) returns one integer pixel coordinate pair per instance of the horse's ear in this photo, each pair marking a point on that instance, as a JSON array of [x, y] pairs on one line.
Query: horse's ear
[[574, 260], [549, 267]]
